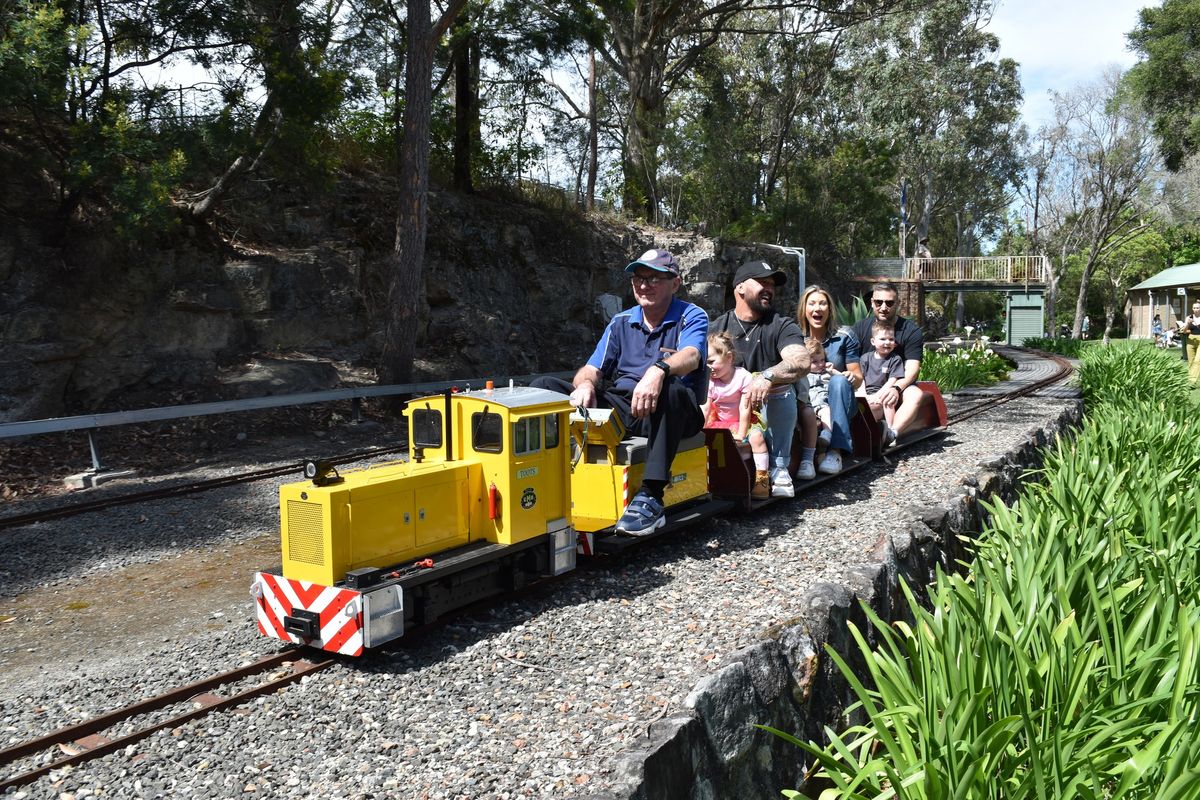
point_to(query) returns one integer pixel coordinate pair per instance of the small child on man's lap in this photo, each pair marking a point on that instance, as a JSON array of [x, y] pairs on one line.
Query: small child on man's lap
[[882, 370]]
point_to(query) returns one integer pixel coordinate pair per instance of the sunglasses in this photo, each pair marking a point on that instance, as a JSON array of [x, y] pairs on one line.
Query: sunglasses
[[885, 303], [650, 280]]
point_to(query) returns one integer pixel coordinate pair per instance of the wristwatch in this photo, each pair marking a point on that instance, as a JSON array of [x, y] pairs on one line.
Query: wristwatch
[[769, 375], [664, 366]]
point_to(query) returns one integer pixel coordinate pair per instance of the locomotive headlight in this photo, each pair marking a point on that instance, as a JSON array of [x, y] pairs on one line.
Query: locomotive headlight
[[321, 473]]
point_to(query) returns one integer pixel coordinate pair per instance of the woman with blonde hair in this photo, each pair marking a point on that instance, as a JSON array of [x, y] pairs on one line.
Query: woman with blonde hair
[[818, 320]]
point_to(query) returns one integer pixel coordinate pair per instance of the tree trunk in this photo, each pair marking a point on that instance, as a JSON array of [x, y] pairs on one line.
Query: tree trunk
[[642, 136], [243, 164], [406, 293], [1085, 281], [465, 107], [589, 199]]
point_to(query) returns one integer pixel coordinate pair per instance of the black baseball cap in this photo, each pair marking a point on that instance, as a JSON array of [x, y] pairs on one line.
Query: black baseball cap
[[759, 270]]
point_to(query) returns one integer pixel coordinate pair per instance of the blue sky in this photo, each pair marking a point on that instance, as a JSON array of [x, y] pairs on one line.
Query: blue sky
[[1061, 44]]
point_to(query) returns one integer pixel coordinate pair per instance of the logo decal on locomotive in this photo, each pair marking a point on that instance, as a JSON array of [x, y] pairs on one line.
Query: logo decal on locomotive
[[528, 499]]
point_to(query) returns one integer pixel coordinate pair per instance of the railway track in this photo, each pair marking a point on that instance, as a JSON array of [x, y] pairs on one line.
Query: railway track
[[178, 490], [1062, 370], [85, 741]]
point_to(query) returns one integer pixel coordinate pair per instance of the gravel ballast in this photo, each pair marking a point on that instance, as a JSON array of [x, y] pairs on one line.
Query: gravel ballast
[[531, 698]]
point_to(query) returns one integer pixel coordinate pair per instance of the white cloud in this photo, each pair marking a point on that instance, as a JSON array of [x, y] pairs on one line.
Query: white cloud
[[1060, 45]]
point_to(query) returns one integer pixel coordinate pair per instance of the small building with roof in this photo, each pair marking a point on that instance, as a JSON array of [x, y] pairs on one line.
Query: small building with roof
[[1169, 294]]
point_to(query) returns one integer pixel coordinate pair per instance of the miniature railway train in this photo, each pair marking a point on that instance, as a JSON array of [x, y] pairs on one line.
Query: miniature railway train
[[504, 487]]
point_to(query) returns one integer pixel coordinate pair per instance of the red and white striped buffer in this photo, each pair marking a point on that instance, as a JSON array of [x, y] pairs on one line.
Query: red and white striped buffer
[[340, 612]]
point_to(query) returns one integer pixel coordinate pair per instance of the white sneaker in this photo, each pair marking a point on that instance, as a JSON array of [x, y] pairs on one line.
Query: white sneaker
[[825, 435], [806, 472], [781, 485], [831, 464], [889, 434]]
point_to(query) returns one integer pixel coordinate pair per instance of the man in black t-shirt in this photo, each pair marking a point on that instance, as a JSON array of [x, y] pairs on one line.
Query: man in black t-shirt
[[910, 346], [771, 347]]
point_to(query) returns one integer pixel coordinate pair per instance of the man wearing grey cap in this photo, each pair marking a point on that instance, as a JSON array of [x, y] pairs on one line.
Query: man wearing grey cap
[[771, 346], [650, 355]]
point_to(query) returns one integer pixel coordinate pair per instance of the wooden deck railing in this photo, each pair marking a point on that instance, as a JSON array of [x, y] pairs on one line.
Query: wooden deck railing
[[987, 269]]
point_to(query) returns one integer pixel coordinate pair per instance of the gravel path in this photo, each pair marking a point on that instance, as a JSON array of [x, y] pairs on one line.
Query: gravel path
[[529, 699]]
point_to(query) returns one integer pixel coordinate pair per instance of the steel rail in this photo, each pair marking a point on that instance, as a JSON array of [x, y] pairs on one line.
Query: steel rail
[[1065, 368], [85, 734], [101, 503]]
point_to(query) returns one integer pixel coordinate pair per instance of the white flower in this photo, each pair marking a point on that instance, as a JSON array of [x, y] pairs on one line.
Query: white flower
[[984, 339], [957, 340], [969, 329], [989, 352], [965, 355]]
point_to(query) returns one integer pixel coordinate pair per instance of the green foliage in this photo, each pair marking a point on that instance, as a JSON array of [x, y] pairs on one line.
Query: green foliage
[[1168, 76], [1071, 348], [953, 367], [1067, 664]]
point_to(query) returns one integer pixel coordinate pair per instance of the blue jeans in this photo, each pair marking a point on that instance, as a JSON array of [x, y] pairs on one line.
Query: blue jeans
[[841, 403], [781, 414]]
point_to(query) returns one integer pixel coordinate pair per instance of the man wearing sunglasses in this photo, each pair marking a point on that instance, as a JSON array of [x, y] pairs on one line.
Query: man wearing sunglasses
[[646, 367], [910, 346]]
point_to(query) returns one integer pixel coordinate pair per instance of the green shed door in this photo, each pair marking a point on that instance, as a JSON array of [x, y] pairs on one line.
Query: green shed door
[[1026, 317]]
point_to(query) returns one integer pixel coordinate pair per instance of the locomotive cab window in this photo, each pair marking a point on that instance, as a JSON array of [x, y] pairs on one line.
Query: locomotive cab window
[[427, 428], [487, 432], [551, 431], [527, 436]]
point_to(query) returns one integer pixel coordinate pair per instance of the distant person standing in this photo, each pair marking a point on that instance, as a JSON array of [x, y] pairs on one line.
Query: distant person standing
[[1087, 323], [1190, 327], [924, 254]]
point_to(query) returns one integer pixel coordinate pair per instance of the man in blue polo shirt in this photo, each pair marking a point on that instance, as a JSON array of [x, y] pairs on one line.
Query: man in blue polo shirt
[[650, 355]]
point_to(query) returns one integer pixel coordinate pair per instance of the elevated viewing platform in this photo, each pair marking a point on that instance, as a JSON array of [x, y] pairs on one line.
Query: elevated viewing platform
[[980, 273]]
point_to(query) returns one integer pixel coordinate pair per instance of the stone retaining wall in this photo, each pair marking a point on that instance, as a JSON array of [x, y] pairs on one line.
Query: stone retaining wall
[[785, 681]]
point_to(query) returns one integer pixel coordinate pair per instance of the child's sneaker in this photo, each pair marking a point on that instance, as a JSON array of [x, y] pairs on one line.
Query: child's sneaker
[[807, 471], [889, 435]]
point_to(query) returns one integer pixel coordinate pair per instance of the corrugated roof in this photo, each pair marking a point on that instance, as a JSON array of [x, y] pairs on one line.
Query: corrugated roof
[[1185, 275]]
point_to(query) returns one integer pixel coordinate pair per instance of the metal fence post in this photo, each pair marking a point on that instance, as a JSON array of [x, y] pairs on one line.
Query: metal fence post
[[95, 451]]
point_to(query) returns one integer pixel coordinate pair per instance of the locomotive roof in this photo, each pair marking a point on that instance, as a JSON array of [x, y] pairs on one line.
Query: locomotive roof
[[515, 397]]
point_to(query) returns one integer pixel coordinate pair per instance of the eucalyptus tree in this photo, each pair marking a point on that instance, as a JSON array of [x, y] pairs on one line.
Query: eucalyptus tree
[[406, 262], [1168, 76], [928, 82], [73, 104], [654, 45], [1108, 156], [287, 42], [763, 151]]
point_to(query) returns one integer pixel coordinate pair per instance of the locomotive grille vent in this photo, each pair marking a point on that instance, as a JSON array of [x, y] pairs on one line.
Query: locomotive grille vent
[[305, 542]]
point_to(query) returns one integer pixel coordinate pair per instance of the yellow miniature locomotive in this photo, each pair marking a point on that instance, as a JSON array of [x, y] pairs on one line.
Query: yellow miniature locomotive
[[483, 506]]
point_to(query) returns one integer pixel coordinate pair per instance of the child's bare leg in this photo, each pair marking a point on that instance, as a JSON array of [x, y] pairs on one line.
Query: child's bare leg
[[826, 425], [758, 446]]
